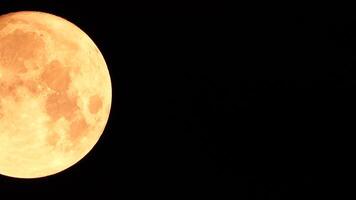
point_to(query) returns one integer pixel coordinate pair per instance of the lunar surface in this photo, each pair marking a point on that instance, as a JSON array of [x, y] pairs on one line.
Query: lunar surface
[[55, 94]]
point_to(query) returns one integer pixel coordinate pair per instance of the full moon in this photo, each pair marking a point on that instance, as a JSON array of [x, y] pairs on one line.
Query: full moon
[[55, 94]]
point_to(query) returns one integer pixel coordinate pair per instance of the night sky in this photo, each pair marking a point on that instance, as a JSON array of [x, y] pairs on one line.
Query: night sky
[[258, 106]]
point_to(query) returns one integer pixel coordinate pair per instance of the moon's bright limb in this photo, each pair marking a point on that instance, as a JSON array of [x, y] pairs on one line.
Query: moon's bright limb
[[55, 94]]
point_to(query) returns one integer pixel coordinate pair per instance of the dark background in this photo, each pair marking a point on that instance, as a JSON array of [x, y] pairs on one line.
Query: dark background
[[258, 106]]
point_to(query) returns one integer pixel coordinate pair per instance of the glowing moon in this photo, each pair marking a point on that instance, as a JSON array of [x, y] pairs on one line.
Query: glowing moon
[[55, 94]]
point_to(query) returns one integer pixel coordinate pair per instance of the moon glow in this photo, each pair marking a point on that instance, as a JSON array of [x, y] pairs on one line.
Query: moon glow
[[55, 94]]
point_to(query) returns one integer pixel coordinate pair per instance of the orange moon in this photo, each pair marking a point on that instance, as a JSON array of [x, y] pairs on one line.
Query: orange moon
[[55, 94]]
